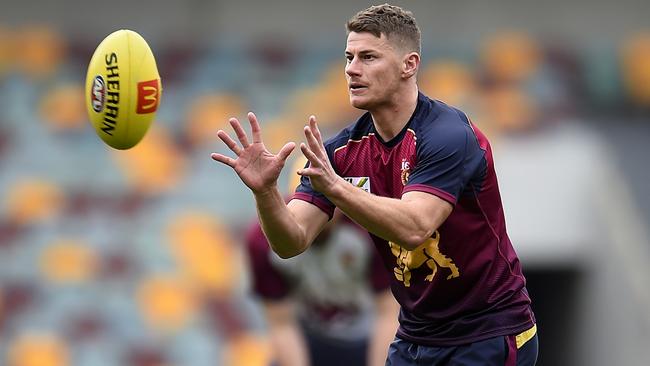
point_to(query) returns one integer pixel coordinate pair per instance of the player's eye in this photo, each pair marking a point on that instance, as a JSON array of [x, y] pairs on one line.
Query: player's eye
[[349, 58], [368, 57]]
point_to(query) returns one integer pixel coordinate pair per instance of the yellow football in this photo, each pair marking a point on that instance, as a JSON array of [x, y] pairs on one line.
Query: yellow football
[[123, 89]]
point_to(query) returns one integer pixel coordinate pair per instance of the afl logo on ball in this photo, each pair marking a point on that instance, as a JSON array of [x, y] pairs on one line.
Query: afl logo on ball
[[98, 94]]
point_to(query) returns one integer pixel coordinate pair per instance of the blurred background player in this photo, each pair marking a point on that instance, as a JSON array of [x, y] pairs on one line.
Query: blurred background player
[[330, 306]]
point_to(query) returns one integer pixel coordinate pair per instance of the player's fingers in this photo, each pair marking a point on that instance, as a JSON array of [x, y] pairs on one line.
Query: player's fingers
[[286, 151], [313, 143], [314, 129], [229, 142], [239, 131], [255, 127], [305, 172], [223, 159], [314, 161]]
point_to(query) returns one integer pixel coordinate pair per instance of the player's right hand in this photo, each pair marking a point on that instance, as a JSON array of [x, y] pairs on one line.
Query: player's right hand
[[258, 168]]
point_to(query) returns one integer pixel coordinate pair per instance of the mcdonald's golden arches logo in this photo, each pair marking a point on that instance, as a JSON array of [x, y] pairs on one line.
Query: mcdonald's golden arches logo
[[148, 96]]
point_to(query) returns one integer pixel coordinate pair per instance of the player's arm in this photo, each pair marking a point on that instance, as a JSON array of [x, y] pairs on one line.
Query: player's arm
[[287, 342], [290, 230], [384, 328], [408, 221]]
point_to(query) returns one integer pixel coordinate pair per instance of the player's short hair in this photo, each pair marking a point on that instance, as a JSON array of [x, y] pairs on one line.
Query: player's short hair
[[397, 24]]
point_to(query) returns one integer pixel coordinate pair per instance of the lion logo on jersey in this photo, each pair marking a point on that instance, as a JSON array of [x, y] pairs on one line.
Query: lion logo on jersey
[[428, 253]]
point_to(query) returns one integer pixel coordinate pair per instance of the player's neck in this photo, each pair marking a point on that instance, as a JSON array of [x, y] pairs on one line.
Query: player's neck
[[390, 119]]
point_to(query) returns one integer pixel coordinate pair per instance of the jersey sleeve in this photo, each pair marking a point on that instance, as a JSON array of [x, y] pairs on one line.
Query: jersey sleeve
[[448, 158], [267, 282]]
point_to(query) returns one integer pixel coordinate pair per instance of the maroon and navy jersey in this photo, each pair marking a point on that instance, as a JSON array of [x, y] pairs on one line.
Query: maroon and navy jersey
[[465, 283]]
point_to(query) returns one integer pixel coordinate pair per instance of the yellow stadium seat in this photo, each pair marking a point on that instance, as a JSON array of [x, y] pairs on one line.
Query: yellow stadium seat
[[40, 50], [279, 131], [63, 108], [506, 108], [33, 200], [449, 81], [247, 349], [155, 165], [166, 302], [510, 57], [68, 260], [38, 350], [635, 58], [208, 113], [204, 253], [7, 50], [328, 100]]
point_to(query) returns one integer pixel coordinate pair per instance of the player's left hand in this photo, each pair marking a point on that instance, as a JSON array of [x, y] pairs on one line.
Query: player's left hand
[[320, 172]]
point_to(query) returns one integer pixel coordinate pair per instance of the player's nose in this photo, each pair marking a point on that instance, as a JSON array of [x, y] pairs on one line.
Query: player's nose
[[352, 68]]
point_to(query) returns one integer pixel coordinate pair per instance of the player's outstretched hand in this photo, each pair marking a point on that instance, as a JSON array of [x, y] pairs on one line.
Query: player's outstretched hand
[[258, 168], [320, 172]]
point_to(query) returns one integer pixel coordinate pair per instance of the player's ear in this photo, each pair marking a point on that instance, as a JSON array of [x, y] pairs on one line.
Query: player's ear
[[411, 64]]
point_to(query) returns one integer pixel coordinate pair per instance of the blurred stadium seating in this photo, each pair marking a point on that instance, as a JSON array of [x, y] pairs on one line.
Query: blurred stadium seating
[[133, 257]]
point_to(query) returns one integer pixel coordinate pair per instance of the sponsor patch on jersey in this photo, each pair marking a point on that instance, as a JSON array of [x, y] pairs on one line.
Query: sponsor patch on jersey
[[360, 182]]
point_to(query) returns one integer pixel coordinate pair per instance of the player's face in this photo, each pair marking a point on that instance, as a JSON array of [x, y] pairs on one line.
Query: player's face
[[373, 70]]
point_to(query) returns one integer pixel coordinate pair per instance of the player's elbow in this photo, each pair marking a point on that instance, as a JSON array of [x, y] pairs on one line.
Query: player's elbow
[[415, 237], [287, 252], [420, 230], [414, 240], [286, 246]]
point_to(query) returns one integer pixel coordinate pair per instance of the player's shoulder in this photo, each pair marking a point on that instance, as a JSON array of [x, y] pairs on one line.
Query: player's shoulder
[[436, 114], [439, 121]]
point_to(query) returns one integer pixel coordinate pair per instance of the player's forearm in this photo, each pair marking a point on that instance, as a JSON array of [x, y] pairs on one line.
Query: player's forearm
[[389, 218], [382, 336], [288, 346], [281, 229], [287, 342], [384, 330]]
